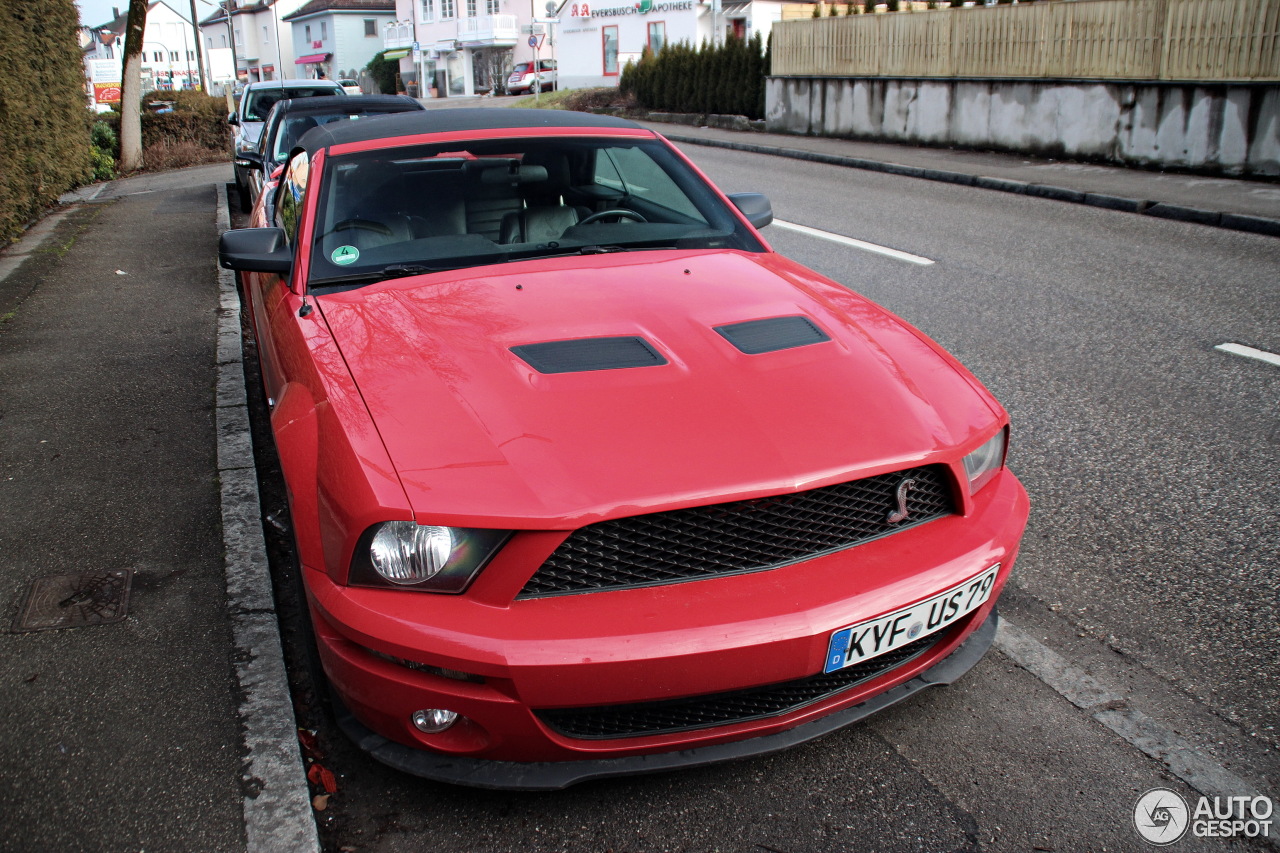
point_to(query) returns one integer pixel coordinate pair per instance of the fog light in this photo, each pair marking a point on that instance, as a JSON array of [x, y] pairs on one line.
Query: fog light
[[433, 720]]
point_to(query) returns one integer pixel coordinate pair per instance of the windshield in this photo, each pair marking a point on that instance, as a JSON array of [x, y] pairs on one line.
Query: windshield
[[413, 210], [292, 127]]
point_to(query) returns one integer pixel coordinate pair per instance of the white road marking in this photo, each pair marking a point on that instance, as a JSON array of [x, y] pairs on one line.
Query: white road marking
[[857, 244], [1110, 707], [1250, 352]]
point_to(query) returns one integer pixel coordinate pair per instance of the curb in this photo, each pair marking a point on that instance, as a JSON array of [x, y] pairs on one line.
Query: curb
[[277, 800], [1231, 221]]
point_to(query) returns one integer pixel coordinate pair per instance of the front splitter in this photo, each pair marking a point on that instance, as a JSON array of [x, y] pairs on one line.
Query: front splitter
[[556, 775]]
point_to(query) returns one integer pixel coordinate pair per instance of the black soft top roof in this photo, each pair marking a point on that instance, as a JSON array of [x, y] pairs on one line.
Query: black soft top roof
[[350, 104], [452, 120]]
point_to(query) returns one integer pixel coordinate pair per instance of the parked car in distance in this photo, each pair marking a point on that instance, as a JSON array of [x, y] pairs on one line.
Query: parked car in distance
[[256, 100], [351, 87], [585, 479], [291, 118], [524, 80]]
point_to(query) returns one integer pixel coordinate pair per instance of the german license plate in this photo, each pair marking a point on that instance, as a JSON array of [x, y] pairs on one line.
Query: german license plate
[[874, 637]]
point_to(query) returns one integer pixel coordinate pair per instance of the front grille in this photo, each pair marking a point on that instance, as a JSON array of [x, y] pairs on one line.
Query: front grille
[[718, 709], [741, 536]]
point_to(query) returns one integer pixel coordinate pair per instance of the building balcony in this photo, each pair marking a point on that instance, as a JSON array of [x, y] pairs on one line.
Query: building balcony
[[489, 31], [397, 34]]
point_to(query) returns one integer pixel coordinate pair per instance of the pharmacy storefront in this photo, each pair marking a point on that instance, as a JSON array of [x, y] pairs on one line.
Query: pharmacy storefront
[[595, 41]]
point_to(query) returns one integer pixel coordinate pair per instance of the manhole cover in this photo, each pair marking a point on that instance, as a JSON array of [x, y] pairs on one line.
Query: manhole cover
[[75, 601]]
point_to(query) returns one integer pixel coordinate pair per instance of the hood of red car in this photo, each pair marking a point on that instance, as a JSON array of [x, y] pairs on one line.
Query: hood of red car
[[484, 430]]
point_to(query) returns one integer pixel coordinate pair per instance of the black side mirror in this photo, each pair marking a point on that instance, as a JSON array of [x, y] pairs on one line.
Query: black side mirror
[[252, 157], [231, 119], [754, 206], [255, 250]]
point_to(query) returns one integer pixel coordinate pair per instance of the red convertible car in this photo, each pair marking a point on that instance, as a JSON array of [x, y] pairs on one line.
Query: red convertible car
[[586, 480]]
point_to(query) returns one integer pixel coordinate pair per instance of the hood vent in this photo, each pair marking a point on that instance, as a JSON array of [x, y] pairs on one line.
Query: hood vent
[[589, 354], [775, 333]]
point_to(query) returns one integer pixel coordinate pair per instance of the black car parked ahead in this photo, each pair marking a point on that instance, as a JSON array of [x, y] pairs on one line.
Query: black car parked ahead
[[290, 119]]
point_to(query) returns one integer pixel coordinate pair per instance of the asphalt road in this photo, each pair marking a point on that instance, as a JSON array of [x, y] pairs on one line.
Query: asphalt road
[[1144, 616]]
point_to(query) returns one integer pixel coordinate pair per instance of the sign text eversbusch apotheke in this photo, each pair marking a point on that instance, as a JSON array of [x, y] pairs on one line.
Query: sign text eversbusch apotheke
[[644, 7]]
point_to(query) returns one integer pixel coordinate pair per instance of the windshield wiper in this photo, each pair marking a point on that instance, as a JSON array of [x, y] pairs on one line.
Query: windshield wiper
[[374, 276], [402, 270], [600, 250]]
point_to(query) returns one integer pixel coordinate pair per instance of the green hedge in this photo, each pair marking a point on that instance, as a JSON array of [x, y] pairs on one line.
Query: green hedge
[[44, 122], [196, 118], [725, 79]]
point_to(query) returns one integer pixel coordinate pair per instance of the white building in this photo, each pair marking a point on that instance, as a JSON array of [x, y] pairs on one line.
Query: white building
[[337, 38], [465, 47], [263, 43], [168, 50], [595, 39]]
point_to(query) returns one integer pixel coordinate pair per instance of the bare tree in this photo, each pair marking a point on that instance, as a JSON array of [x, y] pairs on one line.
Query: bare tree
[[131, 90]]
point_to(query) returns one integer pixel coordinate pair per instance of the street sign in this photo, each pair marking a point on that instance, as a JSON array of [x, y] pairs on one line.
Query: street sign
[[533, 41]]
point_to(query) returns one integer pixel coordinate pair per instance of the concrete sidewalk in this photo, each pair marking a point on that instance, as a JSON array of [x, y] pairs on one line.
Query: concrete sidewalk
[[1220, 202], [145, 706], [159, 720]]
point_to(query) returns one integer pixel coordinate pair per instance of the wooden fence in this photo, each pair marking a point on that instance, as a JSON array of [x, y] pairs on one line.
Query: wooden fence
[[1184, 40]]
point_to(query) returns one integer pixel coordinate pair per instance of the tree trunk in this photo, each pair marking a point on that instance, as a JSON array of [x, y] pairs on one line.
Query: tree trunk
[[131, 90]]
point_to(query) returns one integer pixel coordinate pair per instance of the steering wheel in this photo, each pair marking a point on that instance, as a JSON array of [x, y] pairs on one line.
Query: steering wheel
[[363, 225], [619, 212]]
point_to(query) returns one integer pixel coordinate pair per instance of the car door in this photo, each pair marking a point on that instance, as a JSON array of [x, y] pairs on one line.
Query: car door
[[268, 293]]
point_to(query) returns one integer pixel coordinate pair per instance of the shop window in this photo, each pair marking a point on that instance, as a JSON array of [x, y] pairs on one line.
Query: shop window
[[610, 38], [657, 35]]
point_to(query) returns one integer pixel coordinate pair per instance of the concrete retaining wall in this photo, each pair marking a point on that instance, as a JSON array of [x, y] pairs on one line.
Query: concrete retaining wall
[[1232, 129]]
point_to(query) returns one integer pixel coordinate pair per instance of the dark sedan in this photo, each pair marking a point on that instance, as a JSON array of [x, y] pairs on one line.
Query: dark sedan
[[290, 119]]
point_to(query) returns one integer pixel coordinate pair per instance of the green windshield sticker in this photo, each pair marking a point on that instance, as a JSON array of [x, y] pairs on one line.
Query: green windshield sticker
[[344, 255]]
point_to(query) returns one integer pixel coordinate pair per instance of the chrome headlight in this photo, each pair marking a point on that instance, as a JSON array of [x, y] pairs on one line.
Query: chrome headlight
[[981, 465], [406, 555]]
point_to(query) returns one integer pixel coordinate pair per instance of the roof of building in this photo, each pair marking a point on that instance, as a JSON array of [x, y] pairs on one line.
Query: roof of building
[[315, 7]]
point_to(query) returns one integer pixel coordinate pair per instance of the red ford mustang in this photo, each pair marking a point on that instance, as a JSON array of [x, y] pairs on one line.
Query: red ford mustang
[[586, 480]]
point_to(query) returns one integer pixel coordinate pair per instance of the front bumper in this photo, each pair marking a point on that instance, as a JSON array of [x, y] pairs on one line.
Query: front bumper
[[555, 775], [388, 654]]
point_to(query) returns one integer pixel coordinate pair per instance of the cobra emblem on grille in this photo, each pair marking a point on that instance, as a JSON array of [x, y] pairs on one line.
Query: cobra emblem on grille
[[901, 513]]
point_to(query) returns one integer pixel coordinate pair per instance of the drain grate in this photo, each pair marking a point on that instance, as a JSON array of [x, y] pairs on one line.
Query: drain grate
[[75, 601]]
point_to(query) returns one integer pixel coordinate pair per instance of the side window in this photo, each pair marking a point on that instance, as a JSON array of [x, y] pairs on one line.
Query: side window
[[634, 172], [292, 192]]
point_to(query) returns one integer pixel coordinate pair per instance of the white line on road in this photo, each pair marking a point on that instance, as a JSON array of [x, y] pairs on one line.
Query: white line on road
[[1250, 352], [857, 244], [1110, 707]]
